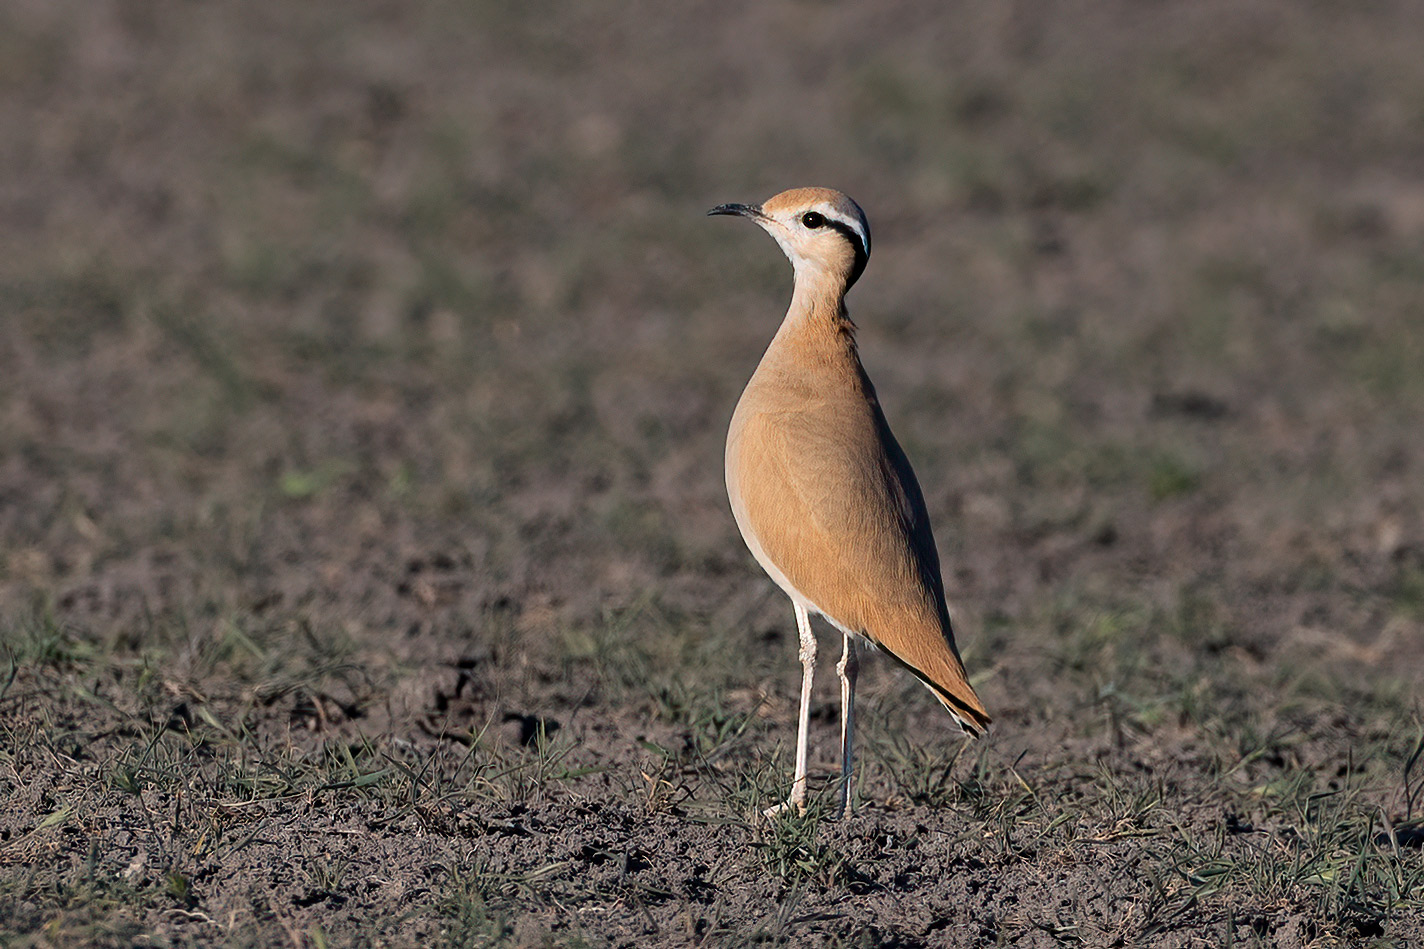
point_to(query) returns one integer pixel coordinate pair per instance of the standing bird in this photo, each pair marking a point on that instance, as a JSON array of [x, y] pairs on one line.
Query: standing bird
[[823, 494]]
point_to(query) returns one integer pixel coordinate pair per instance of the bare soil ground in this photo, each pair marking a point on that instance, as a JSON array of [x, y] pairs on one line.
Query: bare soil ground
[[366, 577]]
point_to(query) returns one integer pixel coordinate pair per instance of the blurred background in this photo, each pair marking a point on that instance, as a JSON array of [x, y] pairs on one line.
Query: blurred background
[[402, 324], [290, 294]]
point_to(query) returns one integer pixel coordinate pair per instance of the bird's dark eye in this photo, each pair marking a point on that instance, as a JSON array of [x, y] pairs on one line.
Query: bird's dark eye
[[812, 219]]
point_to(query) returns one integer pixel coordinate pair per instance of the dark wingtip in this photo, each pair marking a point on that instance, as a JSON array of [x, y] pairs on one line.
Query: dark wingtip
[[975, 728], [972, 720]]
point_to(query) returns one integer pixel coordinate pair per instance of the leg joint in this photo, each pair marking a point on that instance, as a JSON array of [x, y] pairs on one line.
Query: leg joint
[[808, 638], [808, 650], [850, 660]]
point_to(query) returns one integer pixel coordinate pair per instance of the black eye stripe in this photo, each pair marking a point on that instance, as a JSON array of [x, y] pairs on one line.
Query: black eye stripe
[[852, 235]]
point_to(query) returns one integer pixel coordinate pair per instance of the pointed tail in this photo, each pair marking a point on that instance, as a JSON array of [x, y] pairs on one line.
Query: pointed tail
[[958, 698]]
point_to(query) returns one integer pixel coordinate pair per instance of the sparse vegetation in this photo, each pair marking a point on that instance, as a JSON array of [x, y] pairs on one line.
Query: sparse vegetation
[[365, 572]]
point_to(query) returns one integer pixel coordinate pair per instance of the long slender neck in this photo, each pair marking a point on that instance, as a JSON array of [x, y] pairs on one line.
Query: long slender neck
[[817, 318]]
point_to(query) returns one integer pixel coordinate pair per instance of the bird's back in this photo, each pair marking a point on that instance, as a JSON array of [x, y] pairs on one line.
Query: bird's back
[[829, 506]]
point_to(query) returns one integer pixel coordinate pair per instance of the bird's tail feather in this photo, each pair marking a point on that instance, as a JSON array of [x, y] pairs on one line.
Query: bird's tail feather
[[966, 709]]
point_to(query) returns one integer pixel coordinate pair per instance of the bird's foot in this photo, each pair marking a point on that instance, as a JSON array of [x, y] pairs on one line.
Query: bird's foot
[[847, 802], [779, 810]]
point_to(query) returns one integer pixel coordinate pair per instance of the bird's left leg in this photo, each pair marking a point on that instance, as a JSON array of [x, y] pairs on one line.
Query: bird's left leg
[[848, 668]]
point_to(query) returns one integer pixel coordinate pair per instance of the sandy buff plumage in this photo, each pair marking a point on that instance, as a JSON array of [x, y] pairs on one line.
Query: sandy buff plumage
[[822, 492]]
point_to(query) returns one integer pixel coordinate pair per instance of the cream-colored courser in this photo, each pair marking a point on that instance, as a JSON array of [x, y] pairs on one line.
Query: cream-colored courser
[[822, 492]]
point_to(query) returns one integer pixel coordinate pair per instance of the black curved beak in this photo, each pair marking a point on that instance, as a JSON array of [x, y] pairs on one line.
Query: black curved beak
[[743, 210]]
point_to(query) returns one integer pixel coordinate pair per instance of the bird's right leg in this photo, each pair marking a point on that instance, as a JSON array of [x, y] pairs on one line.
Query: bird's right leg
[[803, 720]]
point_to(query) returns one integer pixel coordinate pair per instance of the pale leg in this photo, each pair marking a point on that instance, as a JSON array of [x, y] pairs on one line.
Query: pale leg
[[848, 668], [803, 722]]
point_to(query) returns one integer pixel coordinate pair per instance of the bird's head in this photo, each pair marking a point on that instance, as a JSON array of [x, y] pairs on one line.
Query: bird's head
[[823, 231]]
